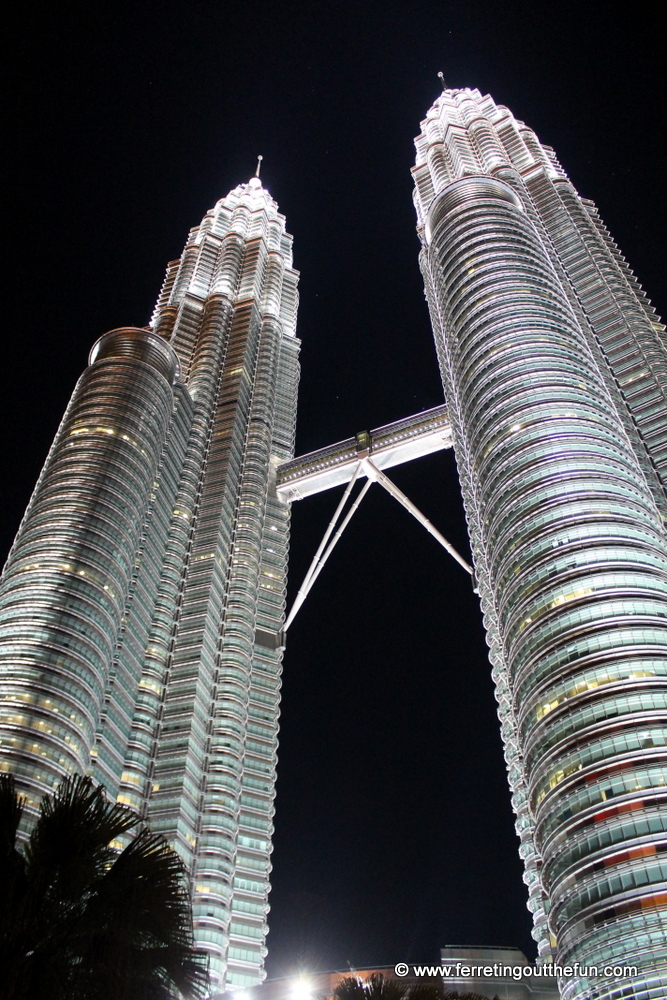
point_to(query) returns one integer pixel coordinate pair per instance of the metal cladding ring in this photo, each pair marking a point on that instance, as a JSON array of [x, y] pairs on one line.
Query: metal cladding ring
[[135, 344], [463, 192]]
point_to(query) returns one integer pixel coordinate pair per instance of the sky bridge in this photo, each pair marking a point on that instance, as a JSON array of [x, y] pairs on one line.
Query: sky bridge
[[393, 444], [365, 455]]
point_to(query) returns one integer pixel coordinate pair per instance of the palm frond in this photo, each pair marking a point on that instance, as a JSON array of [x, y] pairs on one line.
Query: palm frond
[[87, 923], [13, 925], [70, 843], [138, 921], [453, 995], [427, 991], [350, 988], [11, 808], [379, 987]]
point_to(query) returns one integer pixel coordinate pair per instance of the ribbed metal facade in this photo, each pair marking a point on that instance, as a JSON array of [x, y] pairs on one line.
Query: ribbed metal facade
[[142, 601], [555, 375]]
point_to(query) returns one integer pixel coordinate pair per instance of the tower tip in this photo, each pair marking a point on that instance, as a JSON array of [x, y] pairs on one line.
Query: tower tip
[[442, 80], [259, 163]]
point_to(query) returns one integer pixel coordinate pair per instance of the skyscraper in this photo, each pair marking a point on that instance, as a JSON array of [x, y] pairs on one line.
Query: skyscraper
[[142, 601], [555, 375]]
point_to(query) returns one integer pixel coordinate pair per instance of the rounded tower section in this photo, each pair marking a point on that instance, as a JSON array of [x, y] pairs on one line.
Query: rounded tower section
[[63, 590], [571, 556]]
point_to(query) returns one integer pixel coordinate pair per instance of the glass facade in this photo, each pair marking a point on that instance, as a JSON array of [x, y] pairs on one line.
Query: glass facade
[[555, 375], [142, 602]]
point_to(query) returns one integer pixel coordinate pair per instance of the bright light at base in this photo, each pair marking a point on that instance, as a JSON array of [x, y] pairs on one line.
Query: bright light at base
[[301, 989]]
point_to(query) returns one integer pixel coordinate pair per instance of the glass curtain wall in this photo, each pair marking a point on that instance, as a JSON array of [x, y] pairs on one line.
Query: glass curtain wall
[[142, 604], [554, 373]]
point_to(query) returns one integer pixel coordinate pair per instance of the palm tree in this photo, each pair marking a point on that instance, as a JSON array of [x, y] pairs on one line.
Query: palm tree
[[433, 991], [82, 919], [376, 987], [380, 987]]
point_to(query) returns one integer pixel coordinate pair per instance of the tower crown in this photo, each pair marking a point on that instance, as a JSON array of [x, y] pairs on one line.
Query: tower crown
[[555, 382], [468, 134]]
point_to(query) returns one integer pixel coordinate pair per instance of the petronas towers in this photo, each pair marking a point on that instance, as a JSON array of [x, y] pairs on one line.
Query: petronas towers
[[142, 603], [142, 600], [555, 373]]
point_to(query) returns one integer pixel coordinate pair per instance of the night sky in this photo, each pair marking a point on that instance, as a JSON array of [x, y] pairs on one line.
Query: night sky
[[127, 121]]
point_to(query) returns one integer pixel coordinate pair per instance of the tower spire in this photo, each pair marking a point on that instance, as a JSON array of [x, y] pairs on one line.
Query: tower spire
[[442, 80], [259, 163]]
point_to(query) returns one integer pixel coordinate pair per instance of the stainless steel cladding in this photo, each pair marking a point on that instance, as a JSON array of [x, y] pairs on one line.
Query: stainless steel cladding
[[554, 376], [141, 602]]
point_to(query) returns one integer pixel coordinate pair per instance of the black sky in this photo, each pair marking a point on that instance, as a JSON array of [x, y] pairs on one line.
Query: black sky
[[126, 122]]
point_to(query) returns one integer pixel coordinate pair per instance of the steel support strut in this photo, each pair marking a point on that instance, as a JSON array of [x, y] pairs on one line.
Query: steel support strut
[[322, 553], [326, 546], [379, 477]]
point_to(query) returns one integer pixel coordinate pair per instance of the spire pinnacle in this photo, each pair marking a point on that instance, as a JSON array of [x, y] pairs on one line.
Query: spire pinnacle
[[442, 80], [259, 163]]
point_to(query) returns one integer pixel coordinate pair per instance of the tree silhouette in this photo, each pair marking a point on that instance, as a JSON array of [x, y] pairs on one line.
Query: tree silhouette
[[380, 987], [81, 918]]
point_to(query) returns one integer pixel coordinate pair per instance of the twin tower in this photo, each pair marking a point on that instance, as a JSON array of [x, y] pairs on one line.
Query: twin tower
[[142, 603]]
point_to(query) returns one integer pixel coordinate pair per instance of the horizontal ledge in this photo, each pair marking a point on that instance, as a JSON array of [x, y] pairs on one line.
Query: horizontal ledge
[[402, 441]]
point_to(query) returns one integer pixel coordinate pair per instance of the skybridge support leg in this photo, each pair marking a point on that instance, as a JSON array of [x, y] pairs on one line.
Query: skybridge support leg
[[373, 472], [324, 550]]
